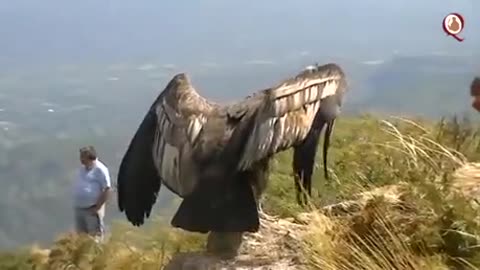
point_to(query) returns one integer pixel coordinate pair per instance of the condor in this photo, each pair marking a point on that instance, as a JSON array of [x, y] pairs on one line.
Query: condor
[[216, 156]]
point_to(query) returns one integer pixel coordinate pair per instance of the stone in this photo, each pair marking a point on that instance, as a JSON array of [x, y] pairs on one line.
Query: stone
[[224, 244]]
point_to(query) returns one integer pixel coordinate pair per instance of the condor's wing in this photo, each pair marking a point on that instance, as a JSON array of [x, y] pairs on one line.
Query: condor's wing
[[160, 149], [286, 113]]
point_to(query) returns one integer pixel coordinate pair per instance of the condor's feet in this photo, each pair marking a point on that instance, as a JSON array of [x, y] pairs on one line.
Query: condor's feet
[[224, 245]]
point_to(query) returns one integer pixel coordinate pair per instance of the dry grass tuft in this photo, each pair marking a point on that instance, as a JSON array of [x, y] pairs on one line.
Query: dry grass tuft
[[415, 228], [467, 180], [126, 249]]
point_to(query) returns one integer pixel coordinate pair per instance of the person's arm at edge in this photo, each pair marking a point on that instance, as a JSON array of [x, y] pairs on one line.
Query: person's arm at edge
[[106, 186]]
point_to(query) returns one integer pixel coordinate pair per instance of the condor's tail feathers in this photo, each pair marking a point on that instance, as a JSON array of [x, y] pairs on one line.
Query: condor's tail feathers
[[220, 208]]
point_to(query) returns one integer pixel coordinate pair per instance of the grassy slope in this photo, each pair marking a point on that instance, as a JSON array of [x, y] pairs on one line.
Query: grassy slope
[[365, 153]]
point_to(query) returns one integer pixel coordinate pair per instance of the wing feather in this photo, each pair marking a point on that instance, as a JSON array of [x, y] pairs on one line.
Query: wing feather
[[181, 113], [160, 151], [286, 114]]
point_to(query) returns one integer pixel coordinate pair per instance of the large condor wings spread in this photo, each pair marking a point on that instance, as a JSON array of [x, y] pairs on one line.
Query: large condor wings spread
[[286, 113], [159, 152], [161, 149]]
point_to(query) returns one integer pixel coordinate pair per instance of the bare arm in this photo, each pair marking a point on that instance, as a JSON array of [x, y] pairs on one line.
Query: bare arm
[[475, 93], [104, 196], [104, 179]]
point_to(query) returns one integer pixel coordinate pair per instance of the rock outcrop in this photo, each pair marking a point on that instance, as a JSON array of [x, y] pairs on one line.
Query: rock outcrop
[[274, 246], [278, 243]]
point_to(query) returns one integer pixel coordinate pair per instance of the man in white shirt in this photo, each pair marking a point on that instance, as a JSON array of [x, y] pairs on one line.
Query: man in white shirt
[[91, 191]]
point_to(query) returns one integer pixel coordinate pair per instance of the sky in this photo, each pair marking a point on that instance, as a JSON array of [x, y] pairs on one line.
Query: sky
[[43, 32]]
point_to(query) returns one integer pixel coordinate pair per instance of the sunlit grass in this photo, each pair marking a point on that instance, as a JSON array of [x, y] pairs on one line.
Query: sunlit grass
[[418, 233]]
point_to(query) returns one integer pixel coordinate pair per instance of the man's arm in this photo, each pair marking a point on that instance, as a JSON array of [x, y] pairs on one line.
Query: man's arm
[[104, 179], [475, 93], [475, 87]]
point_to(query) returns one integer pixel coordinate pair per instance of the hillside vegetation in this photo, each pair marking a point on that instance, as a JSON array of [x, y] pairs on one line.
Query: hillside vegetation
[[433, 227]]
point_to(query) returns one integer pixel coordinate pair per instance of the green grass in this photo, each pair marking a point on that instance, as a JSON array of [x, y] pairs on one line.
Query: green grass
[[434, 228]]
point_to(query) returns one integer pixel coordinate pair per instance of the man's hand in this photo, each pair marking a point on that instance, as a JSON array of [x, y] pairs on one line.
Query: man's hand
[[101, 200], [94, 209]]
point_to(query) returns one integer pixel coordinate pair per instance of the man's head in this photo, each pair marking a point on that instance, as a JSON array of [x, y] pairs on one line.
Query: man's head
[[88, 155], [475, 93]]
